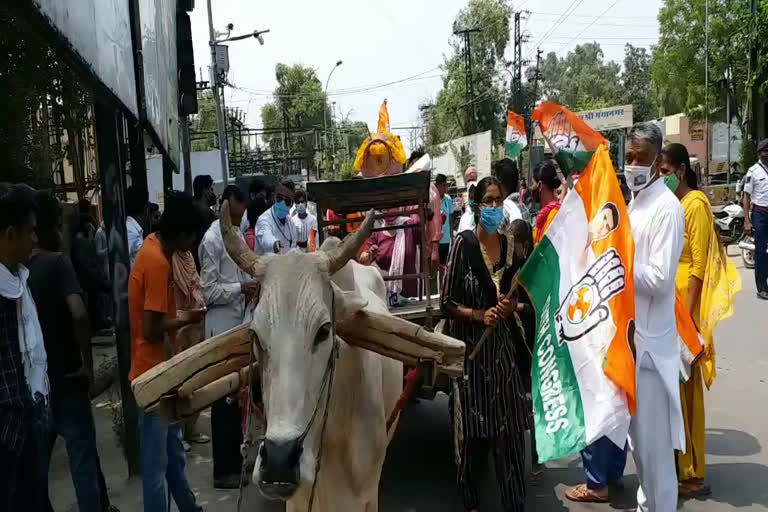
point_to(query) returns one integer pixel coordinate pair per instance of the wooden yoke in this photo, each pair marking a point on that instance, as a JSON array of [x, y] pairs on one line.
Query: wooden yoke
[[192, 380]]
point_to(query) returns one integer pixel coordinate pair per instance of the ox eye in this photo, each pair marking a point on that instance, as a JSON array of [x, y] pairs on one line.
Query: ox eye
[[322, 334]]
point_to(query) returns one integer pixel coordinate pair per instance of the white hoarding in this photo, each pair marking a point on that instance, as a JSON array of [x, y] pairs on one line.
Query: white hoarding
[[720, 142], [161, 88], [460, 153], [99, 32]]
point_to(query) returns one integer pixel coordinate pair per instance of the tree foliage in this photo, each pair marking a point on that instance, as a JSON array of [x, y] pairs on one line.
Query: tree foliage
[[451, 114], [300, 103], [636, 83], [203, 125]]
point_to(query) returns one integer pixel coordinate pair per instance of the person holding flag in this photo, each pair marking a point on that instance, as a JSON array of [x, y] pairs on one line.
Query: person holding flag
[[579, 279], [493, 413], [658, 228]]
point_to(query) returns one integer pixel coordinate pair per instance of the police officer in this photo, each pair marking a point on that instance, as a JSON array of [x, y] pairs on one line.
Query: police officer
[[756, 200]]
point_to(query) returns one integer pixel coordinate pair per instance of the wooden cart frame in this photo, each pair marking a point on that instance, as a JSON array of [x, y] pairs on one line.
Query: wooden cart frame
[[360, 195]]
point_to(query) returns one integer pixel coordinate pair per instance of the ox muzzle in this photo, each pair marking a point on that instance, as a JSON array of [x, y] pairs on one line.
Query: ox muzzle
[[279, 471]]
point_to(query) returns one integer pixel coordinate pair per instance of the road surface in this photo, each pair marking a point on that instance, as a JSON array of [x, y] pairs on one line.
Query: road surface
[[419, 475]]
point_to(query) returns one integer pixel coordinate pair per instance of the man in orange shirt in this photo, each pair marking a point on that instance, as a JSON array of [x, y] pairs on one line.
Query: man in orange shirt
[[152, 312]]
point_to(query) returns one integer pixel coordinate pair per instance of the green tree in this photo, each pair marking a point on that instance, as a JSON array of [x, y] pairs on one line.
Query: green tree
[[581, 80], [300, 103], [679, 58], [636, 83], [451, 114], [203, 126]]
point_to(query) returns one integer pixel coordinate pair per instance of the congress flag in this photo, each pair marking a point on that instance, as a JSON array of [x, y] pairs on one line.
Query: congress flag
[[571, 138], [579, 278], [516, 139]]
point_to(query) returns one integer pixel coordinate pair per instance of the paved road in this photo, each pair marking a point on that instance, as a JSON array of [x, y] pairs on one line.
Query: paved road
[[419, 473]]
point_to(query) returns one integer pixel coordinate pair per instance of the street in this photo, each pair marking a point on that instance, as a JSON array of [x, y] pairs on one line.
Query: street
[[419, 473]]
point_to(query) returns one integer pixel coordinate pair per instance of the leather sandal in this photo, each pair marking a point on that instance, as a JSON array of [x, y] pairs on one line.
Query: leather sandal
[[583, 494]]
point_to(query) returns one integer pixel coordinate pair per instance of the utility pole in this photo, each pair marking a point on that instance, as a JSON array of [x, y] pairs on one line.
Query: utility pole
[[219, 109], [536, 78], [706, 86], [754, 98], [467, 35]]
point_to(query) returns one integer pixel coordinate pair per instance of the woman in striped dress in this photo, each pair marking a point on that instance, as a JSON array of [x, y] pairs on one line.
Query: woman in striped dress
[[493, 407]]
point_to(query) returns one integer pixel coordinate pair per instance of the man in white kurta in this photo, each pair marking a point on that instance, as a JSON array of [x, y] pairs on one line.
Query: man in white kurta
[[658, 227], [275, 231], [226, 289]]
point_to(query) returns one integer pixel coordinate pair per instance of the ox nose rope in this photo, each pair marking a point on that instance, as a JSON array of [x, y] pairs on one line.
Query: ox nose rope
[[327, 384]]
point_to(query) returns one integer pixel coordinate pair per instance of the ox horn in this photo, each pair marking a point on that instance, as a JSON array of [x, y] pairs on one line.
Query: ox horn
[[236, 248], [348, 249]]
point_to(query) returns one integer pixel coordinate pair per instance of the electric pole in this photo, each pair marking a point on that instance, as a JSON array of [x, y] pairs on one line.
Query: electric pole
[[754, 98], [219, 110], [467, 35]]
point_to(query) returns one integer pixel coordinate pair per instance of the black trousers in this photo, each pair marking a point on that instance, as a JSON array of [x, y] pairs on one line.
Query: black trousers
[[509, 461], [24, 476], [226, 438]]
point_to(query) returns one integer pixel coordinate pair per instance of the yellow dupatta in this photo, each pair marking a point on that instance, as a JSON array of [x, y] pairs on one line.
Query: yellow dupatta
[[720, 284]]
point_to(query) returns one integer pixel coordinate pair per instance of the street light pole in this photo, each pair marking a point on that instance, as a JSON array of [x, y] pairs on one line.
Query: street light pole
[[325, 115], [215, 88]]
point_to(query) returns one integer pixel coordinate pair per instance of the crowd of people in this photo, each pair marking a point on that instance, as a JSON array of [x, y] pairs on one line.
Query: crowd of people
[[184, 287]]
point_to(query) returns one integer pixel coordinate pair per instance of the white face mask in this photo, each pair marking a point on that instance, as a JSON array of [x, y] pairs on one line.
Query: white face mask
[[638, 176]]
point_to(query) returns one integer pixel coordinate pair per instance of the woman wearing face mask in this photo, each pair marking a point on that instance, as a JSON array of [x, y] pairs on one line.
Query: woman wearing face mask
[[305, 222], [492, 394], [707, 281], [547, 181]]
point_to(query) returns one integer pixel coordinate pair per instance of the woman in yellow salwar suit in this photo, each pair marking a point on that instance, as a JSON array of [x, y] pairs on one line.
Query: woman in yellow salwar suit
[[707, 281]]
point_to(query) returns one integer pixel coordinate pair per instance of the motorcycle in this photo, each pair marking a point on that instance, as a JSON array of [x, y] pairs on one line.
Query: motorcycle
[[747, 246], [729, 222]]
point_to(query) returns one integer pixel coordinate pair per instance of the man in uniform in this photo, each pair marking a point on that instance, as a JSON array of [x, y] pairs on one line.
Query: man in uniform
[[756, 201]]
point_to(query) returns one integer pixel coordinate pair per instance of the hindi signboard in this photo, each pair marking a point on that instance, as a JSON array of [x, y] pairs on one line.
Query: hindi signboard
[[611, 118]]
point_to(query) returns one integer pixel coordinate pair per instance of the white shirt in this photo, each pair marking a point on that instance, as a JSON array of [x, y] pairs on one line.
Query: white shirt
[[756, 184], [304, 227], [467, 221], [135, 235], [269, 230], [658, 228], [221, 280]]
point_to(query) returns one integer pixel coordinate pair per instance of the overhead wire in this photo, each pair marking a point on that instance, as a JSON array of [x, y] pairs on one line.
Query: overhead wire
[[590, 25]]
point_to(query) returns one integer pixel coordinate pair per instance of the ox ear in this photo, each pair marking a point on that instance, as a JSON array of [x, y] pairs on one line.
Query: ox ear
[[347, 303]]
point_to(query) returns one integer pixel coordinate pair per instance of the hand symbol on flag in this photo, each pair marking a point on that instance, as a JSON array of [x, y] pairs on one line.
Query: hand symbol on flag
[[586, 306]]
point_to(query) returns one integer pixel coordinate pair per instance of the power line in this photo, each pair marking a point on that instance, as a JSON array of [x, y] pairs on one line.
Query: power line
[[591, 16], [568, 11], [590, 25]]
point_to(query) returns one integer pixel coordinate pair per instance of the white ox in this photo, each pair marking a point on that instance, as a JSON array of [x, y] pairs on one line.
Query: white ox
[[301, 294]]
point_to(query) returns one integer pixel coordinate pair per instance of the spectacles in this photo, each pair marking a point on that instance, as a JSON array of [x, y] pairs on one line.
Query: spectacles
[[493, 202]]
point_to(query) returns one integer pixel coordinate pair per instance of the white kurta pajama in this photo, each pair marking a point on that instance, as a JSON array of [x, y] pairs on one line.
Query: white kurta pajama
[[658, 227], [221, 280]]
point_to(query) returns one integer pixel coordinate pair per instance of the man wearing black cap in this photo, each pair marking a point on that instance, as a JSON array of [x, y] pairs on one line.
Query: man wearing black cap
[[756, 200]]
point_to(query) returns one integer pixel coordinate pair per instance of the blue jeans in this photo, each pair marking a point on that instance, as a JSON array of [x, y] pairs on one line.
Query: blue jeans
[[73, 421], [163, 459], [603, 463], [760, 227]]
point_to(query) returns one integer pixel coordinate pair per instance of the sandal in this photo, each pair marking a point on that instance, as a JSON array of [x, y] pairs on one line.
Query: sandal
[[584, 494], [693, 489]]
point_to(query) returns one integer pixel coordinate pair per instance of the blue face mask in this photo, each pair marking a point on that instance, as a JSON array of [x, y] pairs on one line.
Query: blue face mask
[[281, 210], [490, 218], [301, 208]]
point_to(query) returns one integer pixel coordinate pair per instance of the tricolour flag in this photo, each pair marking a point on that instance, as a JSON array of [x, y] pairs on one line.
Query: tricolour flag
[[516, 139], [579, 278], [573, 139]]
